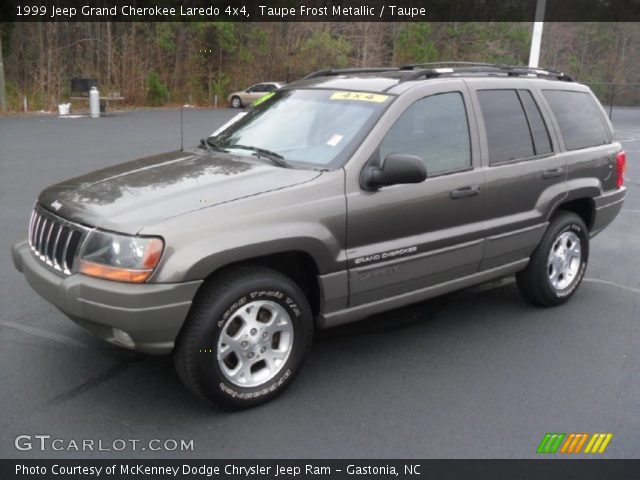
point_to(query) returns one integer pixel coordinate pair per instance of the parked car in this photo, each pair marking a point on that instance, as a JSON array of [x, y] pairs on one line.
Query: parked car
[[348, 193], [246, 97]]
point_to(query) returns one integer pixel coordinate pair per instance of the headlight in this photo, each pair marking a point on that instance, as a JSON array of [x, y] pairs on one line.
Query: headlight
[[122, 258]]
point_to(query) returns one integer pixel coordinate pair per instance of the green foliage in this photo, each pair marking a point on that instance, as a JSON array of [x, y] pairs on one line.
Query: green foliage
[[155, 62], [157, 92], [166, 37], [6, 29], [222, 34], [226, 35], [413, 44], [322, 50], [14, 97], [220, 86], [496, 42], [260, 41]]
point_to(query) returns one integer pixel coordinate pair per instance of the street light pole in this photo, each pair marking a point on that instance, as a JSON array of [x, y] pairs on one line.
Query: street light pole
[[536, 39]]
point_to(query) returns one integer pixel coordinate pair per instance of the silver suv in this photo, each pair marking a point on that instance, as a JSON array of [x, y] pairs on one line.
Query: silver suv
[[344, 194]]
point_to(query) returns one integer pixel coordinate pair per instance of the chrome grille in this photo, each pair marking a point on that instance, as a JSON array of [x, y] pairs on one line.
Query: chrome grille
[[54, 240]]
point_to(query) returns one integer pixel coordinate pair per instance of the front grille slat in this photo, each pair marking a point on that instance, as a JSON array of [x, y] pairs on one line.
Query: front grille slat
[[51, 251], [31, 222], [36, 226], [36, 230], [47, 244], [66, 266], [43, 226], [54, 240], [45, 234], [61, 248], [72, 248]]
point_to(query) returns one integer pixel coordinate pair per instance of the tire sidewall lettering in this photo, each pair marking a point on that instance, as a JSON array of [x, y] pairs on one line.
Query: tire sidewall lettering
[[256, 392], [286, 301], [577, 229]]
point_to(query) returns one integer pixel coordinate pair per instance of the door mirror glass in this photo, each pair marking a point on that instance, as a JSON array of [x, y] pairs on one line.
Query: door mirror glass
[[396, 169]]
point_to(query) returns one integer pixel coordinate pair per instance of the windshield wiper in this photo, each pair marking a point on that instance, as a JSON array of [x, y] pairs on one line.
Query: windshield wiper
[[274, 157], [209, 145]]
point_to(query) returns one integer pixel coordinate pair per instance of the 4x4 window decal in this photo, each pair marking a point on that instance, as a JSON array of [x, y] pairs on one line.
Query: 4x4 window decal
[[360, 96]]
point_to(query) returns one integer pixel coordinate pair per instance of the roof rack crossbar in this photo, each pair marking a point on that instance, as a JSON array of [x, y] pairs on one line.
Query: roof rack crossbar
[[342, 71], [489, 69], [413, 66]]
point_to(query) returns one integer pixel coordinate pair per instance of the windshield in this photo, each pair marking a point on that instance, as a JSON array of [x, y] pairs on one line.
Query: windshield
[[313, 127]]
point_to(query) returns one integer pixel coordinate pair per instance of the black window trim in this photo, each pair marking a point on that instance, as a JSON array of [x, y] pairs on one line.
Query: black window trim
[[521, 160], [546, 128]]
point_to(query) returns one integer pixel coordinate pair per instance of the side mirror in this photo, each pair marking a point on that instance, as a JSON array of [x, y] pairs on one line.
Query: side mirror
[[396, 169]]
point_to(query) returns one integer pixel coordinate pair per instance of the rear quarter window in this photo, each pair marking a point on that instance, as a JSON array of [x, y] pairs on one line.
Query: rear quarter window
[[578, 117]]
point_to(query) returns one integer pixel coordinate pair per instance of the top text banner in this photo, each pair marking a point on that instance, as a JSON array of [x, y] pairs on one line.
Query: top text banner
[[316, 10]]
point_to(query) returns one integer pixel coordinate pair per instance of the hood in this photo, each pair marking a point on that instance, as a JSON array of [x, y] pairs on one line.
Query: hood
[[127, 197]]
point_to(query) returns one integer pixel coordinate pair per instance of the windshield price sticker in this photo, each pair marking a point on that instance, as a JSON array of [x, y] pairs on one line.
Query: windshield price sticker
[[360, 96]]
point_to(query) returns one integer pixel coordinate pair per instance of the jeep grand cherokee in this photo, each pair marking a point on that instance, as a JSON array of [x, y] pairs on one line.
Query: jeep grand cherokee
[[344, 194]]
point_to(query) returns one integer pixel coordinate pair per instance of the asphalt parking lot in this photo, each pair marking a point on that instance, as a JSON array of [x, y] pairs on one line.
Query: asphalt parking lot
[[479, 373]]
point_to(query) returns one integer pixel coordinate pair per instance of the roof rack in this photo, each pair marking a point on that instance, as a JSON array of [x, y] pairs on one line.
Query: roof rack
[[343, 71], [413, 66], [460, 68]]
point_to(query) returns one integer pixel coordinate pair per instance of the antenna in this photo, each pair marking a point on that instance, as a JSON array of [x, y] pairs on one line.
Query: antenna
[[181, 129]]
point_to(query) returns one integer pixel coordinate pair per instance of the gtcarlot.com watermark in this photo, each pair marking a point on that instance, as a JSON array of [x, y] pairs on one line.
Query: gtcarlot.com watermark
[[44, 443]]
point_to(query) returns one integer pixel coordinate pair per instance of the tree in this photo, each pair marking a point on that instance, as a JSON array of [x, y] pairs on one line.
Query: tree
[[4, 29], [3, 87], [414, 44]]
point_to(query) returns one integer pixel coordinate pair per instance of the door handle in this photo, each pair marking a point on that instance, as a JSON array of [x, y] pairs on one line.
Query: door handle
[[464, 192], [554, 172]]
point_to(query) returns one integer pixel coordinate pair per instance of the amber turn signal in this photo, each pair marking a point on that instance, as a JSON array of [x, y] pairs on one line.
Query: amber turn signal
[[113, 273]]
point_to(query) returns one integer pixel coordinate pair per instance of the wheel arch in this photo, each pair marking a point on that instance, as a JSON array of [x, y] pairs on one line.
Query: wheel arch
[[584, 207], [298, 265]]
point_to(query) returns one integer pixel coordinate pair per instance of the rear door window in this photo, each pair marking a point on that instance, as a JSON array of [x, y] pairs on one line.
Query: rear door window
[[505, 122], [579, 118]]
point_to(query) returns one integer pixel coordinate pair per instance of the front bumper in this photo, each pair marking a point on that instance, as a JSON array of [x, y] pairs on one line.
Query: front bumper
[[607, 208], [150, 314]]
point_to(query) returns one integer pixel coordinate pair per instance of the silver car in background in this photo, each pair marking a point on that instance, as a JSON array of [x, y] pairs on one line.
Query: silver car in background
[[246, 97]]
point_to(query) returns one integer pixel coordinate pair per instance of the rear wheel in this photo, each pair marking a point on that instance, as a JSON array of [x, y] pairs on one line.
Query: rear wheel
[[245, 338], [236, 102], [558, 263]]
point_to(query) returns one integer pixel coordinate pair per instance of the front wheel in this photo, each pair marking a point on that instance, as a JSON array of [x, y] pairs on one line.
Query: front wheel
[[236, 102], [558, 263], [245, 338]]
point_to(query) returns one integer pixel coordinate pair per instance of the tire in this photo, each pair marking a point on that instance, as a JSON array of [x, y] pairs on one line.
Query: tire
[[218, 337], [236, 102], [550, 278]]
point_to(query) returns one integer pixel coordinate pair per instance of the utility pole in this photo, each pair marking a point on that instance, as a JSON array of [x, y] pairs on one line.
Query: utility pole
[[536, 39]]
